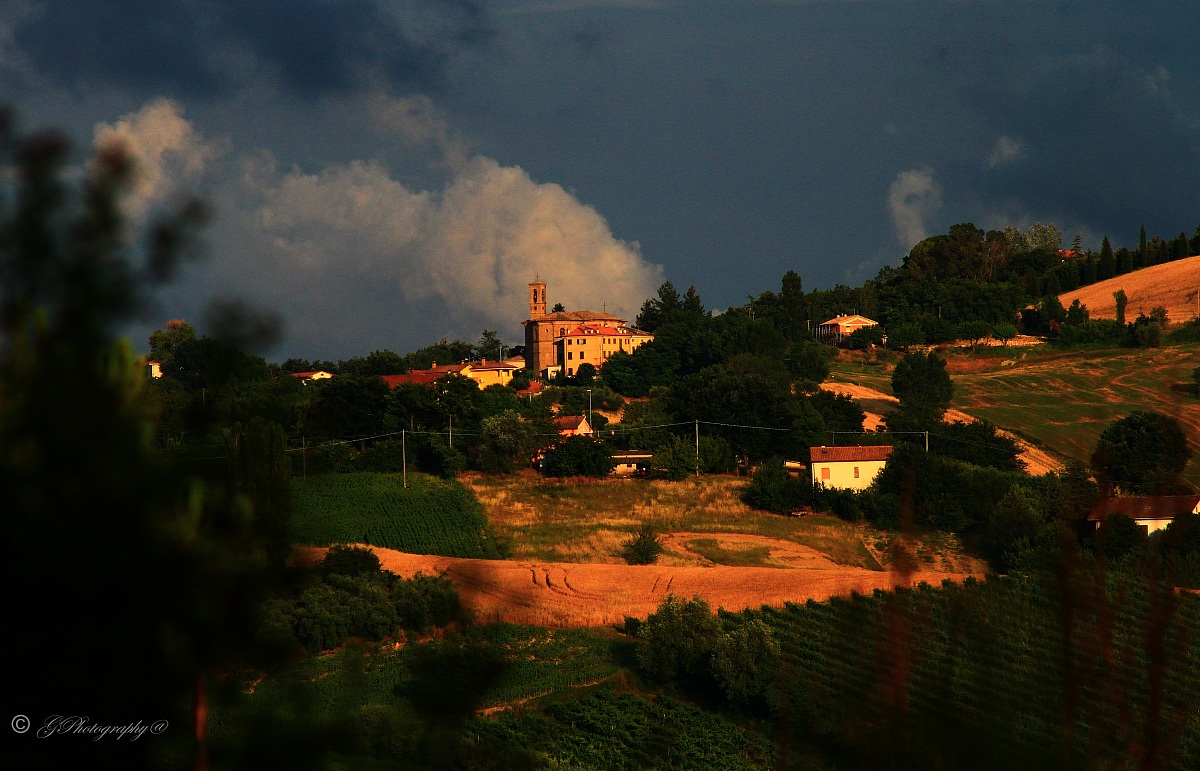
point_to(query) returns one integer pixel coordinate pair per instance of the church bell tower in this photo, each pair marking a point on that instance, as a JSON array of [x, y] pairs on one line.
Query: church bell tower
[[537, 299]]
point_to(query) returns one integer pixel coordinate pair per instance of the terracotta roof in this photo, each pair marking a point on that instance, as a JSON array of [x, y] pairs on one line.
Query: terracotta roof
[[571, 422], [1148, 507], [837, 454], [853, 319], [420, 377], [485, 364], [534, 388], [297, 374], [594, 329]]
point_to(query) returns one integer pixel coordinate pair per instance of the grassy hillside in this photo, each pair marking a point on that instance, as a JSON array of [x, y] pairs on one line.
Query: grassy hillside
[[1172, 285], [431, 516], [1063, 400], [588, 520]]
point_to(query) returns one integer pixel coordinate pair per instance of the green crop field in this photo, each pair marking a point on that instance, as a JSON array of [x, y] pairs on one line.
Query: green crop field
[[430, 516], [1064, 400]]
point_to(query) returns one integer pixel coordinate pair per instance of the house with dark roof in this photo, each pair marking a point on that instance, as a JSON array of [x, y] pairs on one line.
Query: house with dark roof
[[1152, 512], [847, 468]]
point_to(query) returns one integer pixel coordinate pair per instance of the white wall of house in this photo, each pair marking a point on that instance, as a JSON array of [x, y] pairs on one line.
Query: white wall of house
[[846, 474]]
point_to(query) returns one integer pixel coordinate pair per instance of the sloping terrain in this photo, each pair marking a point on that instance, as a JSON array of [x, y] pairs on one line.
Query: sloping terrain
[[874, 403], [1172, 285]]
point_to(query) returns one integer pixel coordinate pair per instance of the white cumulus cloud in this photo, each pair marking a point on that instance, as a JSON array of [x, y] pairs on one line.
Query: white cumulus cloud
[[358, 259], [913, 196], [166, 149]]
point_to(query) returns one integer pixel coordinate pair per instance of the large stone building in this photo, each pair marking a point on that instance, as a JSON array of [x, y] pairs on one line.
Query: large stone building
[[562, 341]]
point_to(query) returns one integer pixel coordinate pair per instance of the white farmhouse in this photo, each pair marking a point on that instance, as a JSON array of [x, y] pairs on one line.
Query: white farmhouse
[[847, 468]]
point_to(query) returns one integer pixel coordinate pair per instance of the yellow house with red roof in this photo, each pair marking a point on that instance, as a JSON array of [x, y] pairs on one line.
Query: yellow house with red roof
[[847, 468], [593, 343]]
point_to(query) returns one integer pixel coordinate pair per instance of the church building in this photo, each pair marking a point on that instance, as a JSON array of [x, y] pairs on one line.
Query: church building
[[564, 340]]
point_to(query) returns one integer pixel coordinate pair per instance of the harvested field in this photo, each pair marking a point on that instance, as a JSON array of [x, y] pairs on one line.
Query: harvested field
[[557, 594], [1171, 285]]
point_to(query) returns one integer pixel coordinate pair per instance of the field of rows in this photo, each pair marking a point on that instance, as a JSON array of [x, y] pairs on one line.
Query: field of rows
[[431, 516], [981, 675]]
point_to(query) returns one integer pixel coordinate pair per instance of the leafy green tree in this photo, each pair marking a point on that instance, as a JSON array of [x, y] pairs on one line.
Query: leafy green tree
[[677, 641], [906, 335], [1077, 313], [1015, 523], [166, 343], [1122, 301], [1106, 267], [974, 331], [923, 387], [344, 560], [675, 459], [745, 661], [1141, 454], [508, 443], [490, 345], [661, 310], [578, 456], [1004, 331], [643, 548], [808, 361], [1120, 536], [771, 488]]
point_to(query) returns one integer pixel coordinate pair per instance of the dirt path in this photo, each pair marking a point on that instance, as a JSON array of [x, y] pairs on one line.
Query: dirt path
[[874, 403], [560, 594]]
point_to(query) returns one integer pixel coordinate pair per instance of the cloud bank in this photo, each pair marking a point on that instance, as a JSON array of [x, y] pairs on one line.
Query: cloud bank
[[913, 196], [354, 256]]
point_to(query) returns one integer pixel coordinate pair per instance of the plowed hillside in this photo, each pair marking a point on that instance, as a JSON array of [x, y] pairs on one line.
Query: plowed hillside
[[1172, 285], [563, 594]]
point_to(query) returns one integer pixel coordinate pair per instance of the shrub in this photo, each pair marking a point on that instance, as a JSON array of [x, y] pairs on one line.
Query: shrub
[[342, 560], [425, 601], [644, 548]]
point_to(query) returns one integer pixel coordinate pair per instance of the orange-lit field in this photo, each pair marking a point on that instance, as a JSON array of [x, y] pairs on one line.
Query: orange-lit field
[[561, 594], [1172, 285]]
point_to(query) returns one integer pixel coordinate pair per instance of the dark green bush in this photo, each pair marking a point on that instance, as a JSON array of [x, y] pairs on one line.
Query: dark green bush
[[343, 560], [643, 548]]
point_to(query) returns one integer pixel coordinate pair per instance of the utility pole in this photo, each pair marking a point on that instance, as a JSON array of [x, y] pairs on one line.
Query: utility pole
[[452, 429], [593, 431], [697, 447], [404, 455], [926, 442]]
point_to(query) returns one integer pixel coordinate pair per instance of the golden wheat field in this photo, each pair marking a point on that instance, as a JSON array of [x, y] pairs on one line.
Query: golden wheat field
[[1172, 285]]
